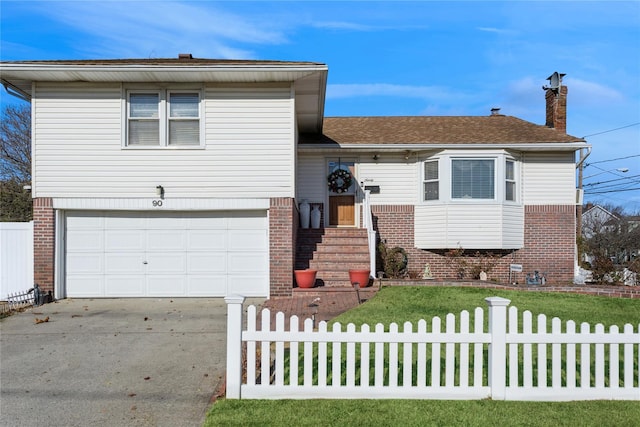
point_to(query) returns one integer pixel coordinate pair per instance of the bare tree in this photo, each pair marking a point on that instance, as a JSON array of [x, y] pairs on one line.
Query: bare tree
[[15, 163], [611, 240]]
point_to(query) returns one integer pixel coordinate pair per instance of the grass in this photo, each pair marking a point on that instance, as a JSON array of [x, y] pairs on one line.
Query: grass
[[481, 413], [399, 304]]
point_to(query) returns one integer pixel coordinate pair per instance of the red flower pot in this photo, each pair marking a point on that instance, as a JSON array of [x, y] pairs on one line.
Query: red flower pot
[[305, 278], [359, 276]]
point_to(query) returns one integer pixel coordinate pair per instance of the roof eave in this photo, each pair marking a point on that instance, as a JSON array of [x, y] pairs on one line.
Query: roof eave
[[560, 146]]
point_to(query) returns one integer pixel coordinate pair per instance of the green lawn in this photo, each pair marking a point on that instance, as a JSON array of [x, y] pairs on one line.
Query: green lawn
[[399, 304]]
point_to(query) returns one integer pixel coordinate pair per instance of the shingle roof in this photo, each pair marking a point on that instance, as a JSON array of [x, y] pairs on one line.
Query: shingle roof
[[494, 129]]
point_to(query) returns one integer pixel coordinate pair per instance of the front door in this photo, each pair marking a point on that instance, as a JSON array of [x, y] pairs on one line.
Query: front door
[[342, 193]]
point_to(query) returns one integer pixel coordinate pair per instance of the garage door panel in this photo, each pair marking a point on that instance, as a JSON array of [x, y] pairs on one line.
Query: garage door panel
[[247, 262], [167, 262], [208, 221], [167, 221], [166, 240], [207, 262], [124, 241], [125, 285], [123, 263], [207, 240], [86, 240], [118, 221], [243, 240], [86, 221], [167, 285], [85, 263], [90, 285], [251, 220]]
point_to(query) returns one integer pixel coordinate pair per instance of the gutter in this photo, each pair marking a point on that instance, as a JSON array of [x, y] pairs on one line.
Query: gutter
[[16, 91], [570, 146]]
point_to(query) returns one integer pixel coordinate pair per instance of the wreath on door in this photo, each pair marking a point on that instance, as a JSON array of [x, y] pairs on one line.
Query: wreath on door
[[339, 180]]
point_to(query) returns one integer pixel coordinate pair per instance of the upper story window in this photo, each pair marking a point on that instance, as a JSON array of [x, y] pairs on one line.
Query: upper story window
[[510, 181], [473, 179], [431, 182], [163, 118]]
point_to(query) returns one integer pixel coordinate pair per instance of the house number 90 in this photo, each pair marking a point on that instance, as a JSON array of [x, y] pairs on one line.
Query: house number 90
[[156, 203]]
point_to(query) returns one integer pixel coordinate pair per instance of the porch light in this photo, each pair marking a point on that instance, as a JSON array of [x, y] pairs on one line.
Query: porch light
[[160, 191]]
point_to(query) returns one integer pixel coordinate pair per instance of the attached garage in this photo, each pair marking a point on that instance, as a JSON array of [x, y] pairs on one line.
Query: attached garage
[[114, 254]]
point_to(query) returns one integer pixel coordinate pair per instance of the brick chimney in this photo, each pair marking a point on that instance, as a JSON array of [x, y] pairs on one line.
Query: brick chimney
[[556, 97]]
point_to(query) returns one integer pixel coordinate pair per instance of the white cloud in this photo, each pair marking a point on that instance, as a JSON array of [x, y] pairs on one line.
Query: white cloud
[[163, 28], [591, 93]]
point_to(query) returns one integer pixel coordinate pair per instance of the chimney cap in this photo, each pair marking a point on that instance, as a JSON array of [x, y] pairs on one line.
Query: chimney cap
[[555, 81], [495, 111], [185, 56]]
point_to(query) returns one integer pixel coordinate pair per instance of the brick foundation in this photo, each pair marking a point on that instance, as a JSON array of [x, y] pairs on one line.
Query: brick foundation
[[283, 224], [549, 245], [43, 243]]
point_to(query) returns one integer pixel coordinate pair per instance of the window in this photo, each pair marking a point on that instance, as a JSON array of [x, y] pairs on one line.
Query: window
[[510, 181], [472, 179], [431, 183], [163, 119]]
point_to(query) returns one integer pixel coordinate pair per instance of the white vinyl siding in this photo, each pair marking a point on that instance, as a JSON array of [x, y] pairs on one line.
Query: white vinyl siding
[[249, 146], [396, 177], [549, 179], [486, 226]]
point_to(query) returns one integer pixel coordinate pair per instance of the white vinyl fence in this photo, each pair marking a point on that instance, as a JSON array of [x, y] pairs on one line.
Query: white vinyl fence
[[16, 258], [502, 359]]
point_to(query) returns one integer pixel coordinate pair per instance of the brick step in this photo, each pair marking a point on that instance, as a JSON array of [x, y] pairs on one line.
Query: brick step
[[329, 232], [342, 241], [344, 267], [360, 256], [331, 275], [328, 250]]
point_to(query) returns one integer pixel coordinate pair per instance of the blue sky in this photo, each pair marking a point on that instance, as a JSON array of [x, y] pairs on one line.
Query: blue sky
[[390, 58]]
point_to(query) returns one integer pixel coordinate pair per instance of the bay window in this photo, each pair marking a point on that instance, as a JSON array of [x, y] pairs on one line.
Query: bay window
[[455, 178], [163, 118], [473, 179]]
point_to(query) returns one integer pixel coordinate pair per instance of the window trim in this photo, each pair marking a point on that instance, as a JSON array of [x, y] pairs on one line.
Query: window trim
[[513, 181], [445, 177], [426, 181], [163, 117]]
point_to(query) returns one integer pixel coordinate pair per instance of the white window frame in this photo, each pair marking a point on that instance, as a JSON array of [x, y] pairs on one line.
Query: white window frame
[[430, 181], [163, 118], [445, 177], [513, 181]]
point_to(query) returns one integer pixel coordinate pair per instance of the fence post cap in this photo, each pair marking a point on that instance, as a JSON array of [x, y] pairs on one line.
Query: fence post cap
[[497, 302], [234, 299]]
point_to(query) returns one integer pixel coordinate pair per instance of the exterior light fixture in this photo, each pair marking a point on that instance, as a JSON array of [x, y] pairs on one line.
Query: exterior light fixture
[[160, 191]]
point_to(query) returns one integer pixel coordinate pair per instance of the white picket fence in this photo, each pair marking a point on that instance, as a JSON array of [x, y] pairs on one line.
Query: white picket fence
[[508, 361]]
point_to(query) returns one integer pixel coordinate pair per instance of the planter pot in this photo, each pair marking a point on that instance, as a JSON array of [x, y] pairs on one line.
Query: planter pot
[[304, 214], [359, 276], [305, 278]]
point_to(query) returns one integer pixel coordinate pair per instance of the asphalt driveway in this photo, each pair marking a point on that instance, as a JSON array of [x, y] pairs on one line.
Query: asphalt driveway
[[115, 362]]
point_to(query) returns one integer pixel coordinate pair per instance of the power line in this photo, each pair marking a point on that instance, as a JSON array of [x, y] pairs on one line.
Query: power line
[[612, 130], [622, 178], [612, 160], [611, 191]]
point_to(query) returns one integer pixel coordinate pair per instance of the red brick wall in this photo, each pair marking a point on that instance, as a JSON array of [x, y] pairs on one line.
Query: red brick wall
[[283, 223], [549, 243], [43, 243]]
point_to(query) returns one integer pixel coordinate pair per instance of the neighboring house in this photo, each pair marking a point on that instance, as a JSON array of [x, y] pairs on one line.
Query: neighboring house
[[183, 177], [596, 219]]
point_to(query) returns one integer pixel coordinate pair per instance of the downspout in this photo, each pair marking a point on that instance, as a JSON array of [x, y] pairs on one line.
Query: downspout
[[16, 91], [579, 202]]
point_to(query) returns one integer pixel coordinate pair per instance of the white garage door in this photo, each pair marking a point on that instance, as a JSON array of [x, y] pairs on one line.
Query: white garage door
[[166, 254]]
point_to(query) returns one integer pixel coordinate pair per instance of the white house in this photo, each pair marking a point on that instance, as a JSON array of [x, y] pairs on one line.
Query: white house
[[183, 177]]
